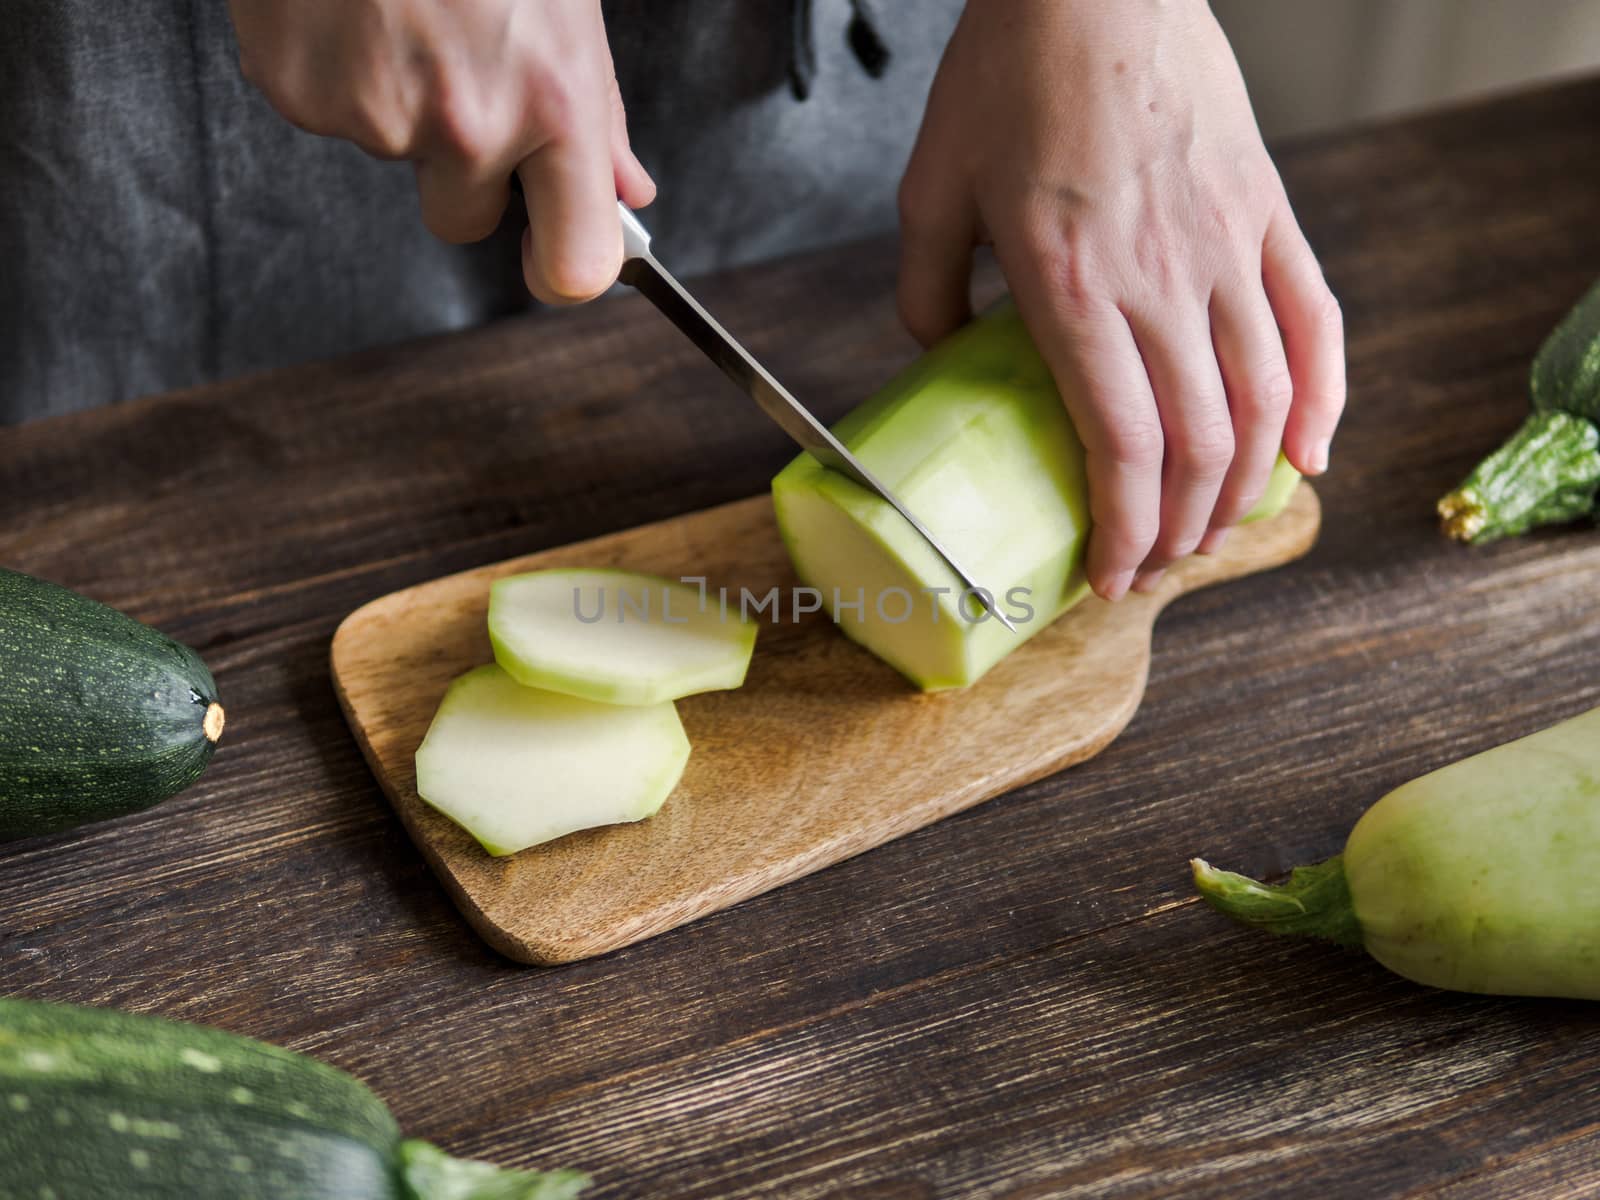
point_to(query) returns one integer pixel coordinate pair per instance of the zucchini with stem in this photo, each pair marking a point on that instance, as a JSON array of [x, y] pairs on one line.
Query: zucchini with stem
[[1483, 876], [1548, 471], [99, 715]]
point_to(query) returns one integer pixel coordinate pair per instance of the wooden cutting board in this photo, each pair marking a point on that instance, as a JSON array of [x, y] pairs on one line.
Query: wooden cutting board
[[823, 753]]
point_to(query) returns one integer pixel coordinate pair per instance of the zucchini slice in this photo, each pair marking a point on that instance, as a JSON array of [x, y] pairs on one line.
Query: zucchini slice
[[616, 637], [516, 766]]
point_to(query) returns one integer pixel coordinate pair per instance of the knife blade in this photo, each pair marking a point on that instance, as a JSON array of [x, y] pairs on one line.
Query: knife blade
[[641, 270]]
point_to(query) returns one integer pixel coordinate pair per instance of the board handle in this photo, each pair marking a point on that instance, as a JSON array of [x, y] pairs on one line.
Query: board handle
[[1249, 549]]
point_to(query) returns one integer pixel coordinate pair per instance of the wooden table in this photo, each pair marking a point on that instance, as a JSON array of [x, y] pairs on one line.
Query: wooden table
[[1025, 1001]]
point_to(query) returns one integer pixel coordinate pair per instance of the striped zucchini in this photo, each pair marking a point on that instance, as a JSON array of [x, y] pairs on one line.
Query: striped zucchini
[[102, 1105], [1548, 471], [99, 715]]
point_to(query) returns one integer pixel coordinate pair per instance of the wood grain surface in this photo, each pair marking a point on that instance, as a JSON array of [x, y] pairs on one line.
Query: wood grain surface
[[1022, 1001], [823, 753]]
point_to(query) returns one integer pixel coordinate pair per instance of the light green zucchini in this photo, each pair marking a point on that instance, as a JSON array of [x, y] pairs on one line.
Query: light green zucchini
[[1483, 876], [1548, 471], [974, 438]]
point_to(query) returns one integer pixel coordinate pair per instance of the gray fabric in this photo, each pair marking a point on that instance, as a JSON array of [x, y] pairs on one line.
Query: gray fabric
[[745, 170], [160, 226]]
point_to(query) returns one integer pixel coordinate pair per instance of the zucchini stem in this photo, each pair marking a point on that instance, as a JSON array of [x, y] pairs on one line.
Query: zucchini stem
[[1547, 473], [1313, 902], [428, 1173]]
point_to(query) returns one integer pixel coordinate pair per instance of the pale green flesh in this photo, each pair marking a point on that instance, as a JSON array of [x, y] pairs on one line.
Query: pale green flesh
[[975, 441], [618, 637], [1484, 876], [517, 766]]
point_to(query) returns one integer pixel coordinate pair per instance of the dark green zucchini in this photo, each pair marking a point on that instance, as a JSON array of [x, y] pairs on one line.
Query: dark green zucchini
[[1548, 472], [102, 1105], [99, 715]]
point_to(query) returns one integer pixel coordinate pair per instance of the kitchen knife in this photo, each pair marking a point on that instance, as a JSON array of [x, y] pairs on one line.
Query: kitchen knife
[[641, 270]]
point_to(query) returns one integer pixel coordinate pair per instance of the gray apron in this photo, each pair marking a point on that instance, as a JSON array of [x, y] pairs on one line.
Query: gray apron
[[161, 226]]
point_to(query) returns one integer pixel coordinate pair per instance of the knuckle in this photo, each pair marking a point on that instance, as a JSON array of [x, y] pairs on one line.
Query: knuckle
[[463, 130], [1323, 405], [1328, 313], [1169, 548], [1323, 400], [1261, 180], [555, 103], [1206, 450], [1267, 392], [1069, 277], [377, 125], [383, 138], [1241, 503], [1219, 220], [1135, 444], [1155, 257], [1132, 536], [1178, 537], [1239, 497]]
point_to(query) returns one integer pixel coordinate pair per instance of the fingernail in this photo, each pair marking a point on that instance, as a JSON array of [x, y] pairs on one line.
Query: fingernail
[[1212, 542], [1118, 587], [1319, 458], [1149, 581]]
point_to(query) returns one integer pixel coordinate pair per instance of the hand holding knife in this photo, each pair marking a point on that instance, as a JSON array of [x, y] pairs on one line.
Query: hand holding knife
[[641, 270]]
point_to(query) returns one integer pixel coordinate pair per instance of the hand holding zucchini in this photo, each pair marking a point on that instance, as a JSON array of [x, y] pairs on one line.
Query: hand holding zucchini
[[103, 1105], [973, 436], [1548, 471], [1483, 876], [99, 715]]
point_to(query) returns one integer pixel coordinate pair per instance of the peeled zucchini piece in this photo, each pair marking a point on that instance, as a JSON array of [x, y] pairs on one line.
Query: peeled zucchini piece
[[973, 437], [618, 637], [516, 766]]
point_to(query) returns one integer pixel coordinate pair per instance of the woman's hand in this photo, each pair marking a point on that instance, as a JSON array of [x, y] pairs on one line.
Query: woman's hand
[[1109, 152], [469, 91]]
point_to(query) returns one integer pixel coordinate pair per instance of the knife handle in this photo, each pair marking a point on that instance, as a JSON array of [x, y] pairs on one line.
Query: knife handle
[[635, 237]]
